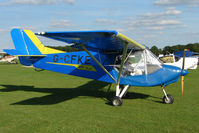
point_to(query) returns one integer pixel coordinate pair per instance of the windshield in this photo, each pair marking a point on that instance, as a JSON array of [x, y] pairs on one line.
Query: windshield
[[139, 63]]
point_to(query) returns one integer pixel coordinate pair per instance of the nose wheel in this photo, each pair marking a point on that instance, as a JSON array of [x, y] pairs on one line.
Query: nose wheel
[[168, 100]]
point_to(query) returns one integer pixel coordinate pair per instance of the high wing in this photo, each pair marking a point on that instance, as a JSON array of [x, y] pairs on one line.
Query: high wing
[[103, 40]]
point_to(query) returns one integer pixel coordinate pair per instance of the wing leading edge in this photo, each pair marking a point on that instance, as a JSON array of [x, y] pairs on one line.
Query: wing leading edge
[[103, 40]]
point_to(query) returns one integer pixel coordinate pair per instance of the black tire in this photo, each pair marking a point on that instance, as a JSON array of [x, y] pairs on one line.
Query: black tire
[[117, 101], [170, 99]]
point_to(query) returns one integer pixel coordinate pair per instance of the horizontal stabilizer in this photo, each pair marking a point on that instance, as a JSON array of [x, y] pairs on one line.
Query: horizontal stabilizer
[[12, 52], [18, 53]]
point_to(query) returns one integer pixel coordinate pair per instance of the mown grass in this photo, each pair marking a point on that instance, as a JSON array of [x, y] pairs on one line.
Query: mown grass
[[48, 102]]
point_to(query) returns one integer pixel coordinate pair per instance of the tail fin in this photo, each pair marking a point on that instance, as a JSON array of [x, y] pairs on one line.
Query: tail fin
[[28, 45]]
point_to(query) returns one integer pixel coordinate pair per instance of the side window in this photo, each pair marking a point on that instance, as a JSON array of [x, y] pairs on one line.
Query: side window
[[134, 64], [167, 59], [138, 63]]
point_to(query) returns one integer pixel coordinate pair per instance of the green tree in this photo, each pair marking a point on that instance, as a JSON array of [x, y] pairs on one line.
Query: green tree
[[167, 50], [155, 50]]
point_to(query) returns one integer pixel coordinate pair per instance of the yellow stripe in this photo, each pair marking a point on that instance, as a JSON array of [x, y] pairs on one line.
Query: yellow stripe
[[39, 45], [81, 67], [132, 42]]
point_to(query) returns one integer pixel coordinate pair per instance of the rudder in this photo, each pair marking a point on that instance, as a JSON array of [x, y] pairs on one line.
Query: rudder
[[28, 47], [26, 43]]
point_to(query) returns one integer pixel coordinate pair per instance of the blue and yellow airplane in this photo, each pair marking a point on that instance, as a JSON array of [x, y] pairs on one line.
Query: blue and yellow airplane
[[107, 56]]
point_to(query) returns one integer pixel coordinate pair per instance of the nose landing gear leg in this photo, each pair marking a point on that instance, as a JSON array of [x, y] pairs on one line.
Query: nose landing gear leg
[[168, 99]]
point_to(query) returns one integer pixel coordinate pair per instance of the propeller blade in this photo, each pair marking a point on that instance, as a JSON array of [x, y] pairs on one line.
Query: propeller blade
[[183, 65], [182, 80]]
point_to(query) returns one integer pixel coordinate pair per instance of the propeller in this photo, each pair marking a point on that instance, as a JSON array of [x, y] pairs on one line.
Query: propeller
[[182, 79]]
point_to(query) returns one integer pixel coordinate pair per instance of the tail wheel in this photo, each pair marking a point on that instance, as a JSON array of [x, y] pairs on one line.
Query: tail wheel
[[117, 101], [170, 99]]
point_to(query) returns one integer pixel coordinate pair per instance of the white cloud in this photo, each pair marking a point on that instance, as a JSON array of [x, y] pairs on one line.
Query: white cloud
[[157, 21], [72, 2], [61, 24], [121, 30], [177, 2], [155, 28], [146, 22], [172, 11], [168, 22], [131, 23], [3, 31], [24, 27], [131, 18], [36, 2], [131, 28], [149, 36]]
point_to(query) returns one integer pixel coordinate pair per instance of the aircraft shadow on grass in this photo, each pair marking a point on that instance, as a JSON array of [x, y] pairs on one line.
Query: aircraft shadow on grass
[[57, 95]]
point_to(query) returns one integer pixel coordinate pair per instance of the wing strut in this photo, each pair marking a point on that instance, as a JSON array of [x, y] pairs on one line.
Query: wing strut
[[98, 63], [121, 67], [122, 63]]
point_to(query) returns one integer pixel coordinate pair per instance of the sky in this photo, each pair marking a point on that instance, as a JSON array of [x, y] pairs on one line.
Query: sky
[[149, 22]]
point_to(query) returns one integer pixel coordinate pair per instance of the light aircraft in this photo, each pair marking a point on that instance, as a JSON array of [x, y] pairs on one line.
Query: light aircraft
[[7, 58], [107, 56], [176, 59]]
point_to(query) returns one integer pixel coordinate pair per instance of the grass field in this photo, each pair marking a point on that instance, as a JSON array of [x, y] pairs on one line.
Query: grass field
[[48, 102]]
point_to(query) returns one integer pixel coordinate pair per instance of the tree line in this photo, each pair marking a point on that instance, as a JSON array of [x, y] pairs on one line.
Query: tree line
[[194, 47]]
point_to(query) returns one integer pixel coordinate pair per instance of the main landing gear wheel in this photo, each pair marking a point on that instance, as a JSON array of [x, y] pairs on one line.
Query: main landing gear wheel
[[170, 99], [117, 101]]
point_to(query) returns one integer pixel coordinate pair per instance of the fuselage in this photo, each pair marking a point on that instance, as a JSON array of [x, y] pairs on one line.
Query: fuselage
[[81, 64], [190, 63]]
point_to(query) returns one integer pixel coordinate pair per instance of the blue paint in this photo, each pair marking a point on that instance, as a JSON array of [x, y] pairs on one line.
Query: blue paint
[[187, 53], [101, 40], [32, 49], [18, 40]]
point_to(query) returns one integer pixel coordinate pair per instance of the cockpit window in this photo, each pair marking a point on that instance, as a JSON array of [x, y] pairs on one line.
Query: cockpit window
[[139, 63], [152, 62], [135, 57], [167, 59]]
